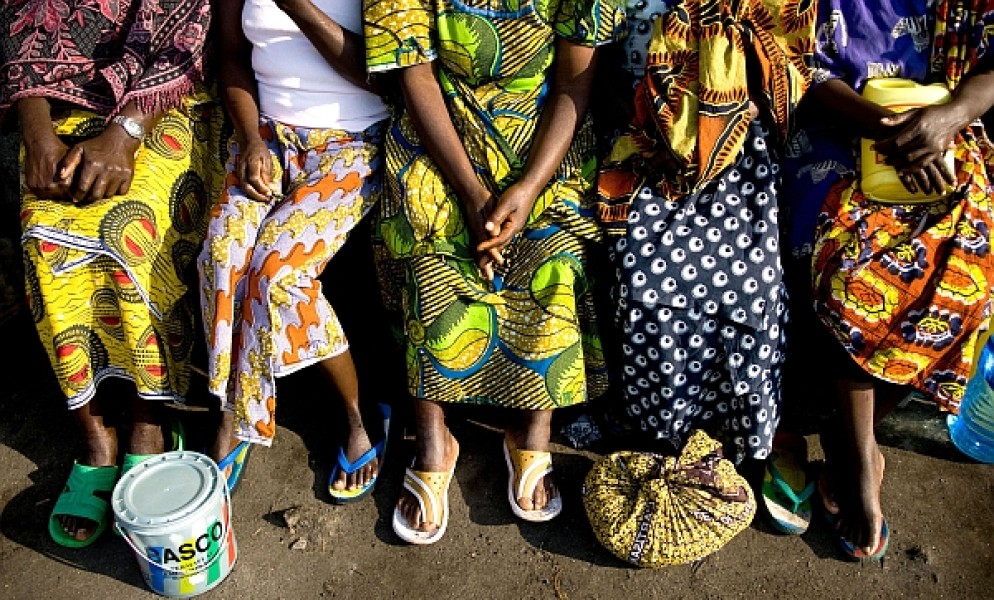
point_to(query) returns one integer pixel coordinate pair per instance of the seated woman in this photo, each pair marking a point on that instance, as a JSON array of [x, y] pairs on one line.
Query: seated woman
[[117, 166], [489, 217], [691, 189], [902, 290], [304, 170]]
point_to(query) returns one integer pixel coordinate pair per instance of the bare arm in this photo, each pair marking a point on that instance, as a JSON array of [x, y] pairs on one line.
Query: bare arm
[[343, 49], [241, 99], [100, 167], [563, 113], [922, 136], [858, 115], [43, 149], [863, 118], [431, 119], [974, 97]]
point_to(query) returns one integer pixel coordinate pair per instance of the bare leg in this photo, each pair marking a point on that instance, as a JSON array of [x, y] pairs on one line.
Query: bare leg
[[888, 396], [146, 427], [862, 518], [436, 451], [225, 440], [532, 432], [100, 450], [340, 371]]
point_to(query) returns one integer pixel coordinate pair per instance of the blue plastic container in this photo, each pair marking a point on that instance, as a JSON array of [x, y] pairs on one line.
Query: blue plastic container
[[973, 431]]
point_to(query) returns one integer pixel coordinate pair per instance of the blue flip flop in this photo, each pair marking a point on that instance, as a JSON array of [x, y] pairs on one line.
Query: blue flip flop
[[377, 452], [852, 551], [237, 459]]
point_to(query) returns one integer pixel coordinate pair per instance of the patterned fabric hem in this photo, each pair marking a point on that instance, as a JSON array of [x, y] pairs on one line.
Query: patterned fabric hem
[[83, 398]]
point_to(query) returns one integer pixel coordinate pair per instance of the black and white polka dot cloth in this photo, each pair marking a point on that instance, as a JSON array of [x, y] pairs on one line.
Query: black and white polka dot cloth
[[703, 307], [642, 15]]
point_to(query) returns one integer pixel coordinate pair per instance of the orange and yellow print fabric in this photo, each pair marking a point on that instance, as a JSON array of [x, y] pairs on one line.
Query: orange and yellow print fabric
[[906, 289], [692, 107], [264, 309]]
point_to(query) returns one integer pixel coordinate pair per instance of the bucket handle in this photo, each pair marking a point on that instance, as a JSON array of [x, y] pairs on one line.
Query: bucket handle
[[134, 548]]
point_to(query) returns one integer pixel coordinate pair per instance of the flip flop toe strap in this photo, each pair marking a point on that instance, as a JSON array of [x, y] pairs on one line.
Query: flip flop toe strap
[[362, 461], [795, 498], [428, 487], [530, 467]]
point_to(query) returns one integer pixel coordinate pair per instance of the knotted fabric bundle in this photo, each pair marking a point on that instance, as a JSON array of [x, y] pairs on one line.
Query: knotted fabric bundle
[[652, 510]]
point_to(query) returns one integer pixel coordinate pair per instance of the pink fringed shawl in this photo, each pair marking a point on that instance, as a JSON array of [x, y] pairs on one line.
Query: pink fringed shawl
[[102, 54]]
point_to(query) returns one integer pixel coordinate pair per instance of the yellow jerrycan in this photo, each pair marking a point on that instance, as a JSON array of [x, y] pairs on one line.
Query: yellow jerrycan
[[880, 181]]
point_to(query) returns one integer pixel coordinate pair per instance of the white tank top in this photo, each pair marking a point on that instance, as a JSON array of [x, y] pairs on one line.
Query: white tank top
[[296, 85]]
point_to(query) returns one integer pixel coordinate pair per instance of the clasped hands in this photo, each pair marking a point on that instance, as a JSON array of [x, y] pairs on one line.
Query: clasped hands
[[915, 143], [94, 169], [494, 221]]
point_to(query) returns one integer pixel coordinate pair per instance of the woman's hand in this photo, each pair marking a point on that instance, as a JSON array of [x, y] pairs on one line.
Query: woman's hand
[[507, 218], [918, 146], [254, 169], [476, 210], [43, 154], [101, 167]]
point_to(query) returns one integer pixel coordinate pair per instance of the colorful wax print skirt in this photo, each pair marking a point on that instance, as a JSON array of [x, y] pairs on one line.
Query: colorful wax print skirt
[[107, 281]]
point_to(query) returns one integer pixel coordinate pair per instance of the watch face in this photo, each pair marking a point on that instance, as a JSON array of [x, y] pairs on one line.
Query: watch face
[[132, 127]]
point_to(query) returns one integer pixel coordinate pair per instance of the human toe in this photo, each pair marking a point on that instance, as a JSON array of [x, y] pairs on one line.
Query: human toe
[[541, 496], [412, 514]]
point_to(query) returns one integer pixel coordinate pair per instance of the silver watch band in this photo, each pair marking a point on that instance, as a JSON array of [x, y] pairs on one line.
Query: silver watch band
[[130, 126]]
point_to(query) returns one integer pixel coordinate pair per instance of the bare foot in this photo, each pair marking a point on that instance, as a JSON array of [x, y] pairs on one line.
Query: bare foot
[[101, 451], [440, 454], [546, 490], [862, 519], [356, 445]]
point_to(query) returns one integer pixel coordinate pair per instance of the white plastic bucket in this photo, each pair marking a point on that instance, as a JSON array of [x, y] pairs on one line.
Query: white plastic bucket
[[174, 511]]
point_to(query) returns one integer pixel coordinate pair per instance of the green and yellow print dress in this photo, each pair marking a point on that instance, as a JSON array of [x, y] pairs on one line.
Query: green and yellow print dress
[[528, 340]]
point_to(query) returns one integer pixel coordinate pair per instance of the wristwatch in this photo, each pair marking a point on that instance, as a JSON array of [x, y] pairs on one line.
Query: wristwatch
[[130, 126]]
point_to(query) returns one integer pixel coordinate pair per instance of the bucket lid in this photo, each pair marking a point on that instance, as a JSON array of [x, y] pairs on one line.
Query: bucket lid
[[164, 489]]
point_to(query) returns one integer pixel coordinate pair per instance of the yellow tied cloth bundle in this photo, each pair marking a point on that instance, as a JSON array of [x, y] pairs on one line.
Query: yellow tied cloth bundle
[[654, 511]]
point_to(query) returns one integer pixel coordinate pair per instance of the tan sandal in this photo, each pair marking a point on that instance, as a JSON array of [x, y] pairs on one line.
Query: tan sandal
[[527, 468], [431, 488]]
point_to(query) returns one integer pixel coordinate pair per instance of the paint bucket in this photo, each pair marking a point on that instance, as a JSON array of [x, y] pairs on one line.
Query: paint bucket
[[174, 510], [880, 181]]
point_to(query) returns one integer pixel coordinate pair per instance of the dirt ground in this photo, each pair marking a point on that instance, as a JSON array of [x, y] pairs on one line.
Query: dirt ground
[[938, 506]]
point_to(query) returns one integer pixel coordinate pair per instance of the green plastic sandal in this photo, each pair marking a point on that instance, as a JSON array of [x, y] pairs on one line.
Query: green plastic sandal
[[79, 499], [177, 442], [787, 490]]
